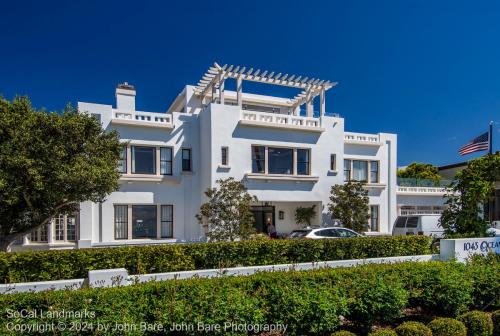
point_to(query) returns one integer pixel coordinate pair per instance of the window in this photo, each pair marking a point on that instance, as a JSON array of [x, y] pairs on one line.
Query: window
[[343, 233], [59, 227], [333, 162], [374, 172], [44, 233], [360, 171], [186, 159], [143, 221], [224, 156], [122, 161], [96, 116], [412, 222], [167, 220], [347, 170], [258, 159], [166, 161], [121, 221], [143, 160], [374, 218], [303, 162], [400, 222], [70, 228], [280, 160], [281, 215]]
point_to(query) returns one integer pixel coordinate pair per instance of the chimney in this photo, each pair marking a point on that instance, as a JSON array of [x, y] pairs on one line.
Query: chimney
[[125, 97]]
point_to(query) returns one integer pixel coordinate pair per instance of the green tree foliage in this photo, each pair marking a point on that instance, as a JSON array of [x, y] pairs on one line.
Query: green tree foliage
[[424, 171], [49, 163], [227, 214], [349, 205], [473, 187], [304, 215]]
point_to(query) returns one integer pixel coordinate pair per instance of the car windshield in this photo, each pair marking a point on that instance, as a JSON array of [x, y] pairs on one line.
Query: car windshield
[[299, 233], [400, 222]]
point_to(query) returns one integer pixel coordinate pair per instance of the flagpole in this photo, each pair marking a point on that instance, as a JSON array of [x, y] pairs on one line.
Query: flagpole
[[491, 137]]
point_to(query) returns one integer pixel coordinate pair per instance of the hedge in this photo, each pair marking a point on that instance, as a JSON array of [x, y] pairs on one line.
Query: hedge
[[383, 332], [308, 302], [413, 329], [495, 317], [73, 264], [478, 323], [447, 327]]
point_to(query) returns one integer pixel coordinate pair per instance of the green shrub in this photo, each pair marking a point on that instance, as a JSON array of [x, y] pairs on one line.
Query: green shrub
[[447, 327], [309, 302], [380, 300], [383, 332], [70, 264], [486, 285], [413, 329], [343, 333], [478, 323], [495, 318]]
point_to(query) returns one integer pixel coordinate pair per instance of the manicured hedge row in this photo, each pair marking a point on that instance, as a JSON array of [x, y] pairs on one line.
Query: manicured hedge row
[[308, 302], [71, 264]]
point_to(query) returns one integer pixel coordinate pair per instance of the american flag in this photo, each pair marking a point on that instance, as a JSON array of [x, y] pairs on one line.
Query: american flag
[[480, 143]]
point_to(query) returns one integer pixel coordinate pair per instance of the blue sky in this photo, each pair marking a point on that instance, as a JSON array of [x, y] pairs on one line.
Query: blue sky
[[426, 70]]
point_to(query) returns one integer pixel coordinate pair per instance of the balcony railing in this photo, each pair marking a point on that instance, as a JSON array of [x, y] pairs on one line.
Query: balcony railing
[[362, 138], [280, 120], [423, 186], [139, 118], [414, 182]]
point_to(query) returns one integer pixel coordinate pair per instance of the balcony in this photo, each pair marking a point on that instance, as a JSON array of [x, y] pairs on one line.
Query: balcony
[[411, 186], [283, 121], [362, 139], [142, 119]]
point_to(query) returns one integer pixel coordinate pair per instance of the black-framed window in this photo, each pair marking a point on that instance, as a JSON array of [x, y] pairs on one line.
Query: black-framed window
[[143, 160], [121, 221], [186, 159], [224, 156], [347, 170], [333, 162], [71, 228], [144, 221], [165, 160], [122, 161], [280, 160], [258, 159], [360, 170], [303, 161], [167, 221], [374, 172], [374, 218]]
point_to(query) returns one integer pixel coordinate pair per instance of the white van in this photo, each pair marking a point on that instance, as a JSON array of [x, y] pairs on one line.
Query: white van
[[427, 225]]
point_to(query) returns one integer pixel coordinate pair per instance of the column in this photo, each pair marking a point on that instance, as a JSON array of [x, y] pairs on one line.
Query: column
[[239, 97], [322, 108], [221, 92], [309, 105]]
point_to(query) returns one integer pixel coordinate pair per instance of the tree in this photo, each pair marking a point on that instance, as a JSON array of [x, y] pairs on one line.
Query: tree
[[228, 213], [304, 215], [349, 205], [473, 187], [423, 171], [49, 163]]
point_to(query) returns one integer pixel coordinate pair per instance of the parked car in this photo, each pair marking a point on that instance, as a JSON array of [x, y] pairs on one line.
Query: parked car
[[427, 225], [323, 233], [494, 232]]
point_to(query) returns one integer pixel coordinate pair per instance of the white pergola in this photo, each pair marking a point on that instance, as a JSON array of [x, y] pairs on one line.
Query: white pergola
[[213, 82]]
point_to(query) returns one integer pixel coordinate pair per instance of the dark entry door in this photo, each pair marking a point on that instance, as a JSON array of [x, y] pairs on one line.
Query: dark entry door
[[263, 215]]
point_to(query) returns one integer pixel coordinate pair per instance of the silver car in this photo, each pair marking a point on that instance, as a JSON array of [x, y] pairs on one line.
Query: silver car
[[323, 233]]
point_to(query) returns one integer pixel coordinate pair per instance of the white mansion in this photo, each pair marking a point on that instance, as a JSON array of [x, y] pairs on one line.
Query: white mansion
[[286, 153]]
